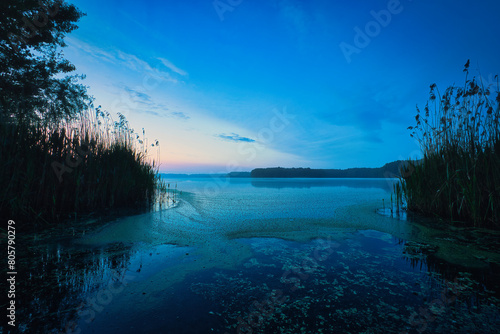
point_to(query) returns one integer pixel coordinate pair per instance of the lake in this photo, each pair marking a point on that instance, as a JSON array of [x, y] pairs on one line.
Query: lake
[[262, 256]]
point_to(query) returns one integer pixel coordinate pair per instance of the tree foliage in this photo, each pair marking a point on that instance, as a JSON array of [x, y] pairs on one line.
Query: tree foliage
[[35, 79]]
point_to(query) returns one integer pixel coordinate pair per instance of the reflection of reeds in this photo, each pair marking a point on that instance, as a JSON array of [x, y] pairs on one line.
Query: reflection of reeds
[[398, 194], [459, 175], [79, 166], [165, 197]]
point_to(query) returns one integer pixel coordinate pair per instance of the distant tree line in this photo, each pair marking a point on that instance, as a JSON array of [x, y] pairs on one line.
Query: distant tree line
[[388, 170]]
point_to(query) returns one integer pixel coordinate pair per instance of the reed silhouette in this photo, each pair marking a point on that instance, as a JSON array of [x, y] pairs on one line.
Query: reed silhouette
[[458, 178], [88, 164]]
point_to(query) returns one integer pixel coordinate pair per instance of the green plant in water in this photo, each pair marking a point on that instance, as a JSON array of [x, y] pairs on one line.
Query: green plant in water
[[458, 178], [79, 166]]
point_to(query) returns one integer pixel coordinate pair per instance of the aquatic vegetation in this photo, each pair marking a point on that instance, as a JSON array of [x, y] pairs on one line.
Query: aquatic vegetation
[[458, 178], [58, 158], [203, 268], [80, 166], [350, 289]]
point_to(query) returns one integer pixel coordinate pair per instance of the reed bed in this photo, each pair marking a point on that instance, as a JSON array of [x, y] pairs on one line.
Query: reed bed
[[458, 179], [89, 164]]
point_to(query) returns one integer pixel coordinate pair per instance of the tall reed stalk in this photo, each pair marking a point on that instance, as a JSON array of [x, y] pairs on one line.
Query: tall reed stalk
[[51, 172], [458, 178]]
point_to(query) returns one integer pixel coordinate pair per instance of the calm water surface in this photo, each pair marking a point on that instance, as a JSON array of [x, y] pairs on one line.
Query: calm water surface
[[262, 256]]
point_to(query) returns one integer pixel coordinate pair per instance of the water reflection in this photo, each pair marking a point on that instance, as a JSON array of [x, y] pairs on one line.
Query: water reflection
[[70, 289], [385, 184], [55, 282], [479, 283], [363, 280]]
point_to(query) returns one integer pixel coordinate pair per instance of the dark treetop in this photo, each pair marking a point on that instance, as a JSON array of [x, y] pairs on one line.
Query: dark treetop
[[33, 73]]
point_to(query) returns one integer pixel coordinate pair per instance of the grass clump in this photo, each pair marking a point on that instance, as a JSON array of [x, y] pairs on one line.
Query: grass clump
[[458, 178], [89, 164]]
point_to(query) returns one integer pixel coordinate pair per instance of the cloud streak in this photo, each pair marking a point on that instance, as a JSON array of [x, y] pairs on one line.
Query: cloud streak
[[120, 58], [179, 114], [235, 138], [172, 67], [144, 103]]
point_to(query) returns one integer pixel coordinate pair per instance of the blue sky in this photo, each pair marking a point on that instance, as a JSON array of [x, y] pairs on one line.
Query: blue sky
[[237, 84]]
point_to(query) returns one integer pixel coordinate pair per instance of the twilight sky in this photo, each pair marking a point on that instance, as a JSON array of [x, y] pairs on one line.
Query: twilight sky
[[236, 84]]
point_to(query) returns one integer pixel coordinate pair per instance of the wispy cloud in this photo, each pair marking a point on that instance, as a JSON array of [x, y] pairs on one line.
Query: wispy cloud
[[89, 49], [120, 58], [138, 96], [180, 114], [172, 67], [143, 103], [235, 138]]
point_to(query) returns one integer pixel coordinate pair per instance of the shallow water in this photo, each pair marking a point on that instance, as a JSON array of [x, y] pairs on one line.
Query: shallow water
[[263, 256]]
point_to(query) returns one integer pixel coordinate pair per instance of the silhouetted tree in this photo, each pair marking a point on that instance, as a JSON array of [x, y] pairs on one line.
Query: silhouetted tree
[[34, 77]]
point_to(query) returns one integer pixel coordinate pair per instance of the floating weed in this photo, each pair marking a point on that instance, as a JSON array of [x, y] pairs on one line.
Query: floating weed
[[351, 291]]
